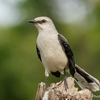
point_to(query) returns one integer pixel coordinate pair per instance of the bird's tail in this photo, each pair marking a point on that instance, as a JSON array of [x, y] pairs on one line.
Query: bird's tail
[[85, 80]]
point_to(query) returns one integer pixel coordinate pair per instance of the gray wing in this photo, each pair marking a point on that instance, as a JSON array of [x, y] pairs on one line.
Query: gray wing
[[65, 46], [38, 53]]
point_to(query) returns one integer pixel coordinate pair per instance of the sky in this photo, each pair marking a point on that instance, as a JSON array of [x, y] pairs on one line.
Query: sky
[[9, 13], [67, 11], [71, 10]]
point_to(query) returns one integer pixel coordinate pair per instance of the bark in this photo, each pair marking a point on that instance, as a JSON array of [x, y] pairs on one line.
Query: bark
[[57, 92]]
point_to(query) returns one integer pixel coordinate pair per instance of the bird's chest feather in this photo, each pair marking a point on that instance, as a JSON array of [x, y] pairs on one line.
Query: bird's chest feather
[[52, 54], [49, 45]]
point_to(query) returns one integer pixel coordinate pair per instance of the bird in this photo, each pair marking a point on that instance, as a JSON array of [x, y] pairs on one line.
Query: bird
[[57, 57]]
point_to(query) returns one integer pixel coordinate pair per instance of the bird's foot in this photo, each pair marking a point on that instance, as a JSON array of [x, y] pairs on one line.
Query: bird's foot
[[65, 83]]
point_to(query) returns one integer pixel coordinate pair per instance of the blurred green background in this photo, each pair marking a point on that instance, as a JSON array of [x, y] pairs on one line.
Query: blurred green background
[[20, 68]]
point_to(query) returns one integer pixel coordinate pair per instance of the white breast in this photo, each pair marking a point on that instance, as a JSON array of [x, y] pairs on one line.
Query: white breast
[[52, 54]]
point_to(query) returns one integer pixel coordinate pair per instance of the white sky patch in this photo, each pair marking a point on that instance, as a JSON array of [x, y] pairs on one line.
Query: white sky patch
[[9, 14], [65, 11], [69, 11]]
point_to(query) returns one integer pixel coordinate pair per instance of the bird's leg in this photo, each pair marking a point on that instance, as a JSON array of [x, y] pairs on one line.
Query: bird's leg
[[46, 82], [46, 75], [65, 81]]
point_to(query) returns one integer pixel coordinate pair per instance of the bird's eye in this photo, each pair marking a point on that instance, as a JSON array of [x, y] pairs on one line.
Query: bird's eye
[[43, 20]]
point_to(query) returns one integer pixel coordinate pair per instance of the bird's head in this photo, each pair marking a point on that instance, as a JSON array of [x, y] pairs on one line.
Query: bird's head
[[43, 23]]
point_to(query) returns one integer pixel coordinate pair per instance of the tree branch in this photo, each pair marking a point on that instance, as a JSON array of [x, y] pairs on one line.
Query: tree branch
[[57, 92]]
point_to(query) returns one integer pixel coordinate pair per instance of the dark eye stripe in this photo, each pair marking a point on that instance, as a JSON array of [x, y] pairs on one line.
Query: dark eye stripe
[[40, 22]]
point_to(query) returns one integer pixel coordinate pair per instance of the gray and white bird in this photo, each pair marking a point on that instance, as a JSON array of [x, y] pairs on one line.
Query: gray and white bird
[[56, 55]]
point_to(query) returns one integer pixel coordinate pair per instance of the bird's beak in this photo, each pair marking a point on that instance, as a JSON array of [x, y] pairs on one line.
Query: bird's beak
[[31, 21]]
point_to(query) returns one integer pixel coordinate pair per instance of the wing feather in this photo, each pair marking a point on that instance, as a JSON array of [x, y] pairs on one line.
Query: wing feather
[[38, 53], [67, 49]]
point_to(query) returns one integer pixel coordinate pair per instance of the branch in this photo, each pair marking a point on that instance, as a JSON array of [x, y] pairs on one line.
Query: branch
[[57, 92]]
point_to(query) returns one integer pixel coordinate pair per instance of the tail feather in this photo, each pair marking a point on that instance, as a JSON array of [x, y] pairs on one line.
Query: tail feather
[[85, 80]]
